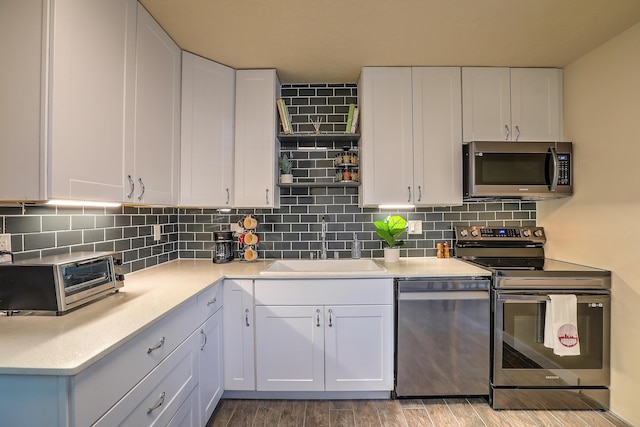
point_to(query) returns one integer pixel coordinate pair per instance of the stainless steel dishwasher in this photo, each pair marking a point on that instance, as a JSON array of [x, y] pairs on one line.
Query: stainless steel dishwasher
[[442, 336]]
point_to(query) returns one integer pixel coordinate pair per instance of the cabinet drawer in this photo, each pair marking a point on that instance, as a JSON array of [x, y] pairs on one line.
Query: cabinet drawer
[[209, 302], [156, 399], [324, 291], [101, 385]]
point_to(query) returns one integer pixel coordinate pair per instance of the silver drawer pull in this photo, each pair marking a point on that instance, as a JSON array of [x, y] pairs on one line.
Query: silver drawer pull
[[213, 301], [157, 346], [156, 405], [204, 339]]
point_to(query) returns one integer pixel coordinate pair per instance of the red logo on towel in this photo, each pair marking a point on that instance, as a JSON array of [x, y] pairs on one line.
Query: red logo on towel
[[568, 335]]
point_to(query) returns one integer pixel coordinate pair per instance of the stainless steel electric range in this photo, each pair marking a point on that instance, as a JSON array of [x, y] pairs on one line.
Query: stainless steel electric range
[[525, 373]]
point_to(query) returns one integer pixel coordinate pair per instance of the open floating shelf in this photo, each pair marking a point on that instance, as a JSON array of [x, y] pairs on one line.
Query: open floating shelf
[[322, 137]]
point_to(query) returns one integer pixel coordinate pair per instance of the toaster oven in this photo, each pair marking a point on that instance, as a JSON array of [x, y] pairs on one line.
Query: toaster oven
[[60, 283]]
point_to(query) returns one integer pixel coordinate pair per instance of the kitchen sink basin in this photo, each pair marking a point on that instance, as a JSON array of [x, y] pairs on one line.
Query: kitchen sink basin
[[324, 267]]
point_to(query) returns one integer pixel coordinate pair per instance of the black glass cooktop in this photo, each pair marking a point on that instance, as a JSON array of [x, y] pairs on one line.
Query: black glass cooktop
[[504, 265]]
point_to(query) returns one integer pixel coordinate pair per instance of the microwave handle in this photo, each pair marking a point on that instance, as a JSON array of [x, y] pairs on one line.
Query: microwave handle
[[555, 168]]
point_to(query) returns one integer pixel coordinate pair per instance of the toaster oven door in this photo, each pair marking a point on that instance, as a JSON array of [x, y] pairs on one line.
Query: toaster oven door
[[83, 280]]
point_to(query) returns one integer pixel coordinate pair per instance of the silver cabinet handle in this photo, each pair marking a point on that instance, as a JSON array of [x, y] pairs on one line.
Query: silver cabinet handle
[[419, 192], [330, 318], [246, 317], [132, 186], [157, 346], [213, 301], [156, 405], [506, 138], [143, 189], [267, 197], [517, 133], [409, 200], [204, 339], [228, 197], [318, 318]]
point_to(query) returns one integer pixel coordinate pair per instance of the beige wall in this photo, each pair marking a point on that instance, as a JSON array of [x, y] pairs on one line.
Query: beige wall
[[600, 224]]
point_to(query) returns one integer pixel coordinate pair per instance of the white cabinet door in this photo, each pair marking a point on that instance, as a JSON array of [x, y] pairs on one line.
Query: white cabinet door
[[517, 104], [187, 414], [153, 160], [386, 145], [359, 348], [536, 104], [437, 136], [255, 139], [239, 369], [211, 360], [22, 112], [290, 348], [486, 104], [91, 74], [206, 144]]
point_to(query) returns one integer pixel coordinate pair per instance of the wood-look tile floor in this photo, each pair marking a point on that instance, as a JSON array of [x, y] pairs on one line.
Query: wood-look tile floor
[[392, 413]]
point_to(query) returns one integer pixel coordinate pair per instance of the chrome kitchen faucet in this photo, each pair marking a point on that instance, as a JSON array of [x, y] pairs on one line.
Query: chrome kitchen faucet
[[323, 234]]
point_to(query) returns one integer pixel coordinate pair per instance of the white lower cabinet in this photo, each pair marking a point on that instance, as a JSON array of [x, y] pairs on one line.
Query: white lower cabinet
[[324, 348], [157, 398], [171, 373], [210, 357], [239, 368], [358, 346], [187, 414], [344, 343], [290, 342]]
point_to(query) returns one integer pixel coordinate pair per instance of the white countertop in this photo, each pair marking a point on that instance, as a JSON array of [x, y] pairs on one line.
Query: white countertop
[[65, 345]]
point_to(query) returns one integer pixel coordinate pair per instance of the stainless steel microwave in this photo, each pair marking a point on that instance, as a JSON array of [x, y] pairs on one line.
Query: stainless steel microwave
[[57, 284], [517, 170]]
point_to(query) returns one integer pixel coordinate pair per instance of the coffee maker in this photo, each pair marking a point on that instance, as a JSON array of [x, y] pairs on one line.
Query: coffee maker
[[223, 246]]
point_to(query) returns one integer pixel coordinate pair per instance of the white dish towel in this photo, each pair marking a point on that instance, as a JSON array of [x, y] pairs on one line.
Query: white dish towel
[[561, 325]]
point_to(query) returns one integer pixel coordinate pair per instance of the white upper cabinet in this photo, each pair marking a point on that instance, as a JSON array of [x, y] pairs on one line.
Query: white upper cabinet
[[386, 126], [411, 136], [255, 139], [152, 160], [486, 105], [517, 104], [536, 104], [206, 153], [437, 136], [67, 69], [22, 108]]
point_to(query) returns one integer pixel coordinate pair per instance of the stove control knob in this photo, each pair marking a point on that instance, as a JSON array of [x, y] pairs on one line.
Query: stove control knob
[[463, 233], [474, 233], [526, 233], [537, 233]]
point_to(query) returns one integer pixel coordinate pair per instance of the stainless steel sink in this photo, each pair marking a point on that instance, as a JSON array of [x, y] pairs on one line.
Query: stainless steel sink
[[324, 267]]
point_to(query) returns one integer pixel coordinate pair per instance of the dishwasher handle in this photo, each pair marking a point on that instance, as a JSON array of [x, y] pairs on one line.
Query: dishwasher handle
[[443, 295]]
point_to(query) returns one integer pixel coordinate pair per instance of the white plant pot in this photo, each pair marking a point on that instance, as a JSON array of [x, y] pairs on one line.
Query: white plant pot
[[286, 178], [391, 254]]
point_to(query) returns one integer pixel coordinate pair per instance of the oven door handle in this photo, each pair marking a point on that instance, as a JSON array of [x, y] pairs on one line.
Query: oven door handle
[[528, 298], [443, 295]]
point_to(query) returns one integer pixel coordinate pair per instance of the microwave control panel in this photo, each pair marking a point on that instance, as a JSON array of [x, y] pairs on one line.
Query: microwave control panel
[[564, 176]]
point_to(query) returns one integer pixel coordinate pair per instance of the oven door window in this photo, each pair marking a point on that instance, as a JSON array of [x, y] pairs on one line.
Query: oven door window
[[519, 349], [79, 277]]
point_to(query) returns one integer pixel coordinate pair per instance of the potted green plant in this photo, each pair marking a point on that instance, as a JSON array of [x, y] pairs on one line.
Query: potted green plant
[[285, 168], [389, 230]]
